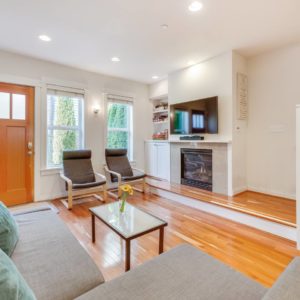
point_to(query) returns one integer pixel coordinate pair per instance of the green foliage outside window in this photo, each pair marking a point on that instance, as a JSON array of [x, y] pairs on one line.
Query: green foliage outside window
[[117, 119], [117, 115], [64, 139]]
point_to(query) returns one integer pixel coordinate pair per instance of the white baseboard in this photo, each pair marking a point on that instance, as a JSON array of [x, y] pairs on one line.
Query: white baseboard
[[46, 197], [239, 217], [239, 190], [272, 193]]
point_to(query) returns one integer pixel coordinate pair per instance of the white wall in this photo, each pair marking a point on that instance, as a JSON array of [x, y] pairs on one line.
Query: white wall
[[274, 80], [158, 89], [213, 77], [23, 69], [207, 79]]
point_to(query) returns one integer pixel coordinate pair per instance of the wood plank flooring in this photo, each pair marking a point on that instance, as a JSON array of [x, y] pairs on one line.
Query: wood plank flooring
[[257, 254], [276, 209]]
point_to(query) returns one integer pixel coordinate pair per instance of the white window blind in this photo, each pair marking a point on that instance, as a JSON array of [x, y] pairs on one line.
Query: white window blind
[[119, 123], [64, 124]]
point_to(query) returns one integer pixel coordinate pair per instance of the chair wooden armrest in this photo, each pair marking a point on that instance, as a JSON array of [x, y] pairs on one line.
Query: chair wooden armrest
[[113, 173], [100, 176], [67, 180]]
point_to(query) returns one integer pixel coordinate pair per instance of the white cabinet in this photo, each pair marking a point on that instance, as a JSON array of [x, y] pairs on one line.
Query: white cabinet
[[158, 159]]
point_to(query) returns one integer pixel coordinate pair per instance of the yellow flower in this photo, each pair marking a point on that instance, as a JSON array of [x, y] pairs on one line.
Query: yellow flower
[[126, 188]]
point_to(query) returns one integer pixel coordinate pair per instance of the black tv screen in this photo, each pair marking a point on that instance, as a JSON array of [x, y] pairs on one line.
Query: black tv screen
[[195, 117]]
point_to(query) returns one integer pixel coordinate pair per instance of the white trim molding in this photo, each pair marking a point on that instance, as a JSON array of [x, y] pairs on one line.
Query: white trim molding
[[281, 230]]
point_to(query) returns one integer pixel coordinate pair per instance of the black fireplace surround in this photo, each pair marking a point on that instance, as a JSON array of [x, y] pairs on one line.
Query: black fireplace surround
[[196, 168]]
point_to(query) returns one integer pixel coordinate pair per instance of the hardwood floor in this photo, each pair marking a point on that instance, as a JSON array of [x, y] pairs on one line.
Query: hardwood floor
[[276, 209], [257, 254]]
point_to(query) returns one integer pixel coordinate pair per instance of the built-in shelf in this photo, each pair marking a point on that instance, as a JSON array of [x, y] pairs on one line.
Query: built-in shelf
[[160, 122], [160, 111], [160, 118]]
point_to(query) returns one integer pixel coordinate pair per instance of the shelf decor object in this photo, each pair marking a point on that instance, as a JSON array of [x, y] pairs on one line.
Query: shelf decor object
[[242, 96]]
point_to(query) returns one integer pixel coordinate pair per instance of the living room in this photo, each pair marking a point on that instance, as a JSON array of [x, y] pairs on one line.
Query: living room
[[192, 144]]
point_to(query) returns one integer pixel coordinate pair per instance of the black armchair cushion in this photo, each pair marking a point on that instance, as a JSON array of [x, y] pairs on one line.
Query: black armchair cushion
[[136, 175], [76, 186], [78, 166], [117, 161]]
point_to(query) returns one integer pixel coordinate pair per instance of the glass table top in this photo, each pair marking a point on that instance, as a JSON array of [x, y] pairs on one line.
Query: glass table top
[[131, 222]]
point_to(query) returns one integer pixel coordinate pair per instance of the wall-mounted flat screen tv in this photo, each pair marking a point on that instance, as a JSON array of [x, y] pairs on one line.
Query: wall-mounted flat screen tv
[[195, 117]]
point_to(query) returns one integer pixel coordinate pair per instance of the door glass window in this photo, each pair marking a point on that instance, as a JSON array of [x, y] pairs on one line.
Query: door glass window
[[18, 107], [4, 105]]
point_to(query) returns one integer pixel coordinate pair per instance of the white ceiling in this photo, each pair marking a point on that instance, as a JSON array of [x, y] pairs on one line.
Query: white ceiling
[[87, 33]]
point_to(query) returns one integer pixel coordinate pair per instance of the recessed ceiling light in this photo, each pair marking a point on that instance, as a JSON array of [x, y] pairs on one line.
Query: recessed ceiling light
[[155, 77], [115, 59], [195, 6], [45, 38], [164, 26]]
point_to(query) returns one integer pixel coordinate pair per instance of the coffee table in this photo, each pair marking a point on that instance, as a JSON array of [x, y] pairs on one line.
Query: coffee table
[[130, 224]]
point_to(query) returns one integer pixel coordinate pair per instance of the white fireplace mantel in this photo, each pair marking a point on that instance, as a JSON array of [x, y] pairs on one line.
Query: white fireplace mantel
[[191, 141], [201, 141]]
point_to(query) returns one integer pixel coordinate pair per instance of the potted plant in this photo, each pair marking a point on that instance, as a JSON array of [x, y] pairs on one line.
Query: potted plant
[[125, 191]]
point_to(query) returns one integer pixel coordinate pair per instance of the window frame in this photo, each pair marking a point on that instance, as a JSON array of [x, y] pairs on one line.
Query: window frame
[[127, 101], [68, 92]]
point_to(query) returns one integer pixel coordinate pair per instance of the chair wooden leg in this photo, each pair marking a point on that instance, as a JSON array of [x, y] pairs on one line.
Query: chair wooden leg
[[104, 193], [70, 199]]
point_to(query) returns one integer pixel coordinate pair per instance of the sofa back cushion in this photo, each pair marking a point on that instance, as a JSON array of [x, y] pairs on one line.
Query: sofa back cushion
[[9, 233], [12, 284]]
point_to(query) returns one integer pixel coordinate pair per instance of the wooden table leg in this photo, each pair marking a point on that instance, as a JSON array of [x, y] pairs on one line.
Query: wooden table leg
[[93, 229], [127, 256], [161, 240]]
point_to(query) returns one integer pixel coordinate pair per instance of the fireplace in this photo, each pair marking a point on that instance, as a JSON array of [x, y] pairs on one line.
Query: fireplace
[[196, 168]]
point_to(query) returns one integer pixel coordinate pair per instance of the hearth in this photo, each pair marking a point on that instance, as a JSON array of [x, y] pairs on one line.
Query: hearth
[[196, 168]]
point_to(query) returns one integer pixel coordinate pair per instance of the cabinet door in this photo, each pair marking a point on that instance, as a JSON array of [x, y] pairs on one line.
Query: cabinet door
[[163, 161], [151, 159]]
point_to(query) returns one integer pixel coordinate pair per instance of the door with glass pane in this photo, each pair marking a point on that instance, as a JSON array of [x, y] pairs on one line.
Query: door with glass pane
[[16, 144]]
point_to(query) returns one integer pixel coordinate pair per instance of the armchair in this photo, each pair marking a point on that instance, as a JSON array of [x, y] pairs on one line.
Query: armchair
[[80, 178], [119, 171]]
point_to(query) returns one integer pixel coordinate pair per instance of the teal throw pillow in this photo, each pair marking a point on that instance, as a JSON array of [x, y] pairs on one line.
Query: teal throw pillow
[[9, 233], [12, 284]]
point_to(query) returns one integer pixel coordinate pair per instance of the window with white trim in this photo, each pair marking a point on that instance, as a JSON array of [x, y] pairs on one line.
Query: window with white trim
[[64, 124], [119, 123]]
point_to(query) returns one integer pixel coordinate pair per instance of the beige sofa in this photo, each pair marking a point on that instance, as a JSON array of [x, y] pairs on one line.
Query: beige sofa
[[56, 267]]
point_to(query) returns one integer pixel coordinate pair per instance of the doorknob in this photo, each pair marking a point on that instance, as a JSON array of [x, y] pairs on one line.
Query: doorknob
[[29, 152], [29, 146]]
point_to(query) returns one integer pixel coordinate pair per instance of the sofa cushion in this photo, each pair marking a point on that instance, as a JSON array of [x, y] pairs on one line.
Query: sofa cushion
[[287, 286], [181, 273], [8, 230], [12, 284], [51, 260]]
